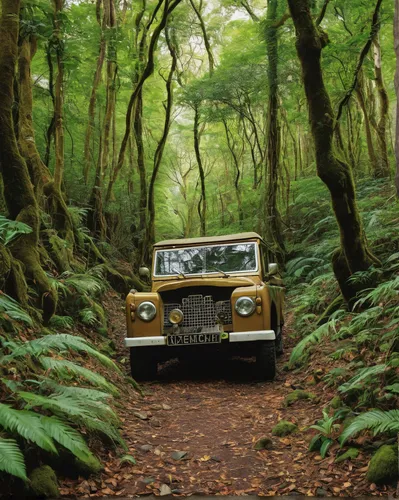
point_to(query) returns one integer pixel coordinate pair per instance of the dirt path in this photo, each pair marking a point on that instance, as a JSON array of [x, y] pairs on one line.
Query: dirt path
[[194, 433]]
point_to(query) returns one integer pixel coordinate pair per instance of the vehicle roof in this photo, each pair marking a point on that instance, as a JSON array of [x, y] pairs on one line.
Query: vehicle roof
[[209, 239]]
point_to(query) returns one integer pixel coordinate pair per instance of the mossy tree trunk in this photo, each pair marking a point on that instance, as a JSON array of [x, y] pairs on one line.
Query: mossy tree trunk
[[202, 205], [354, 254], [396, 36], [18, 190], [273, 218]]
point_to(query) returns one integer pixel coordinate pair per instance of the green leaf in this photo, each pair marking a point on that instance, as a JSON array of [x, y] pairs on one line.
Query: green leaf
[[11, 459], [325, 447]]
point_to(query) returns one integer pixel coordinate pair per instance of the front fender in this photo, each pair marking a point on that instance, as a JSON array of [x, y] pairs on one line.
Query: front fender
[[137, 327]]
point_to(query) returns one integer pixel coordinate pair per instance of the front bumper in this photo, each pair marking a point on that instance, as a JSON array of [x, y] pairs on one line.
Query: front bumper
[[233, 337]]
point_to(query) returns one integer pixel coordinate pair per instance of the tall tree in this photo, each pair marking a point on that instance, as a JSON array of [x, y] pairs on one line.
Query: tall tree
[[396, 37], [354, 254], [18, 189]]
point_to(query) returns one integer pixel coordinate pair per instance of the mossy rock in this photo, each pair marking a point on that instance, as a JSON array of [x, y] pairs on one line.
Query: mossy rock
[[43, 482], [298, 395], [350, 454], [264, 443], [284, 428], [383, 467], [91, 466], [336, 403]]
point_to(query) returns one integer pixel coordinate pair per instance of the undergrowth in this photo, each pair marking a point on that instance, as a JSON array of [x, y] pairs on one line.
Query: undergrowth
[[361, 344]]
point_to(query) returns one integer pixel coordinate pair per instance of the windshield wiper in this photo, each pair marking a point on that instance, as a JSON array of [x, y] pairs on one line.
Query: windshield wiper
[[178, 273], [225, 275]]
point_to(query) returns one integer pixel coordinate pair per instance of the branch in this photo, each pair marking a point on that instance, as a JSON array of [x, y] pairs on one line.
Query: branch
[[375, 26], [322, 12]]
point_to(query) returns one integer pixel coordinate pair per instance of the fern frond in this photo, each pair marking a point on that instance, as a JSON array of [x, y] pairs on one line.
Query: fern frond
[[11, 308], [11, 459], [66, 369], [362, 374], [313, 338], [376, 420], [58, 342], [68, 437], [27, 425]]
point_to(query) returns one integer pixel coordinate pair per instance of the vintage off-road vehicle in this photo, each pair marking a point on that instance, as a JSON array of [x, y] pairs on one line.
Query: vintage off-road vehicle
[[209, 296]]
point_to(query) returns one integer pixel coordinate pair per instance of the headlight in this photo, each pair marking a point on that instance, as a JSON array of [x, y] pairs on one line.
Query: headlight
[[245, 306], [146, 311], [176, 316]]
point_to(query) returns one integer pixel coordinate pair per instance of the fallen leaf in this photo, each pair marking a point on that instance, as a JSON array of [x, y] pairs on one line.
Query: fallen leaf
[[165, 490], [178, 455]]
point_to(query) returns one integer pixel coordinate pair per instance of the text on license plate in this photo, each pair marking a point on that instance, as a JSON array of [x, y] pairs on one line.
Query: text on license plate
[[194, 338]]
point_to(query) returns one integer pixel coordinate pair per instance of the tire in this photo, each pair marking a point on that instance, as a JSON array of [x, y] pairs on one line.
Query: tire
[[279, 341], [143, 365], [266, 360]]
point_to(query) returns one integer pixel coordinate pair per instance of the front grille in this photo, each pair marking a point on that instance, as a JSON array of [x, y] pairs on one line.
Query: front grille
[[200, 312]]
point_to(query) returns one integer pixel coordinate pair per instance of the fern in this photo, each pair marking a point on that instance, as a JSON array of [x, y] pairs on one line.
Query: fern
[[58, 343], [11, 458], [68, 437], [10, 230], [66, 369], [61, 322], [88, 317], [376, 420], [363, 373], [313, 338], [11, 308], [26, 424]]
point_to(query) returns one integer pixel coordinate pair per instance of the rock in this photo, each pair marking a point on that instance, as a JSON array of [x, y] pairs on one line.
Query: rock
[[335, 402], [351, 453], [141, 415], [320, 492], [264, 443], [91, 466], [383, 467], [146, 447], [155, 422], [179, 455], [164, 490], [283, 428], [43, 482], [297, 395], [166, 407]]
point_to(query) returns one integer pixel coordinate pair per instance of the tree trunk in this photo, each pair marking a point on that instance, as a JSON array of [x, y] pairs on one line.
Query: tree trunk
[[396, 36], [39, 173], [237, 187], [273, 219], [59, 98], [367, 125], [18, 190], [160, 149], [383, 170], [92, 105], [202, 202], [354, 254], [208, 48], [138, 135]]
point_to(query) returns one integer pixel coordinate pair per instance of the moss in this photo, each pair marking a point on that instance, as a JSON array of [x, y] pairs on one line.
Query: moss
[[264, 443], [297, 395], [350, 454], [383, 467], [43, 482], [335, 402], [283, 428], [91, 466], [60, 253]]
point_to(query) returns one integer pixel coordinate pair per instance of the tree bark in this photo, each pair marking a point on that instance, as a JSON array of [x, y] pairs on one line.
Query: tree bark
[[59, 98], [211, 59], [92, 104], [396, 39], [273, 219], [18, 190], [383, 170], [354, 254], [202, 203]]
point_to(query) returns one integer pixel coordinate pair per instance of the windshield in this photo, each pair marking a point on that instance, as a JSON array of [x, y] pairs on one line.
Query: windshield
[[232, 258]]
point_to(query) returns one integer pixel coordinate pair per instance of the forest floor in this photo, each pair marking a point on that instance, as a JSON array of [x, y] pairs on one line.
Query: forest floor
[[194, 430]]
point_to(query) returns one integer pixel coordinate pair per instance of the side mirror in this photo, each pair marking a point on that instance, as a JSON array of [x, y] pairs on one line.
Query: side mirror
[[273, 269], [144, 272]]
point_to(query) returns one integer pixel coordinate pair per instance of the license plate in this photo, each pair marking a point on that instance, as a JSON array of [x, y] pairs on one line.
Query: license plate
[[194, 338]]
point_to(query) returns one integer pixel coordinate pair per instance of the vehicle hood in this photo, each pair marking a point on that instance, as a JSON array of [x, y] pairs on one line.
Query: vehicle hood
[[233, 281]]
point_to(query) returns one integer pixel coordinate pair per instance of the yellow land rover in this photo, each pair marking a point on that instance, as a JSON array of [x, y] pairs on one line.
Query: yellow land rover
[[209, 296]]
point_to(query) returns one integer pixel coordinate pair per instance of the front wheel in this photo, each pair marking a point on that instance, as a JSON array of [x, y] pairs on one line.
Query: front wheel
[[266, 360], [279, 341], [143, 364]]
